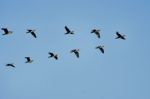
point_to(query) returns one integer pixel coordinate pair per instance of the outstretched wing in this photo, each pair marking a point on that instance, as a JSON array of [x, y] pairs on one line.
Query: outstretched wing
[[29, 30], [28, 58], [56, 57], [33, 34], [5, 30], [102, 50], [67, 29], [118, 34], [51, 54], [77, 54], [98, 34]]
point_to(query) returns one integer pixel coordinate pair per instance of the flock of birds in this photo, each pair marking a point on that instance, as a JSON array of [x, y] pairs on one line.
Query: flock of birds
[[68, 31]]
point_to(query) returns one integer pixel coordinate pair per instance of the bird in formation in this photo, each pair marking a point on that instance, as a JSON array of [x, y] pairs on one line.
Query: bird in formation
[[29, 60], [6, 31], [101, 48], [68, 31], [97, 32], [76, 52], [32, 32], [55, 56], [10, 65], [120, 36]]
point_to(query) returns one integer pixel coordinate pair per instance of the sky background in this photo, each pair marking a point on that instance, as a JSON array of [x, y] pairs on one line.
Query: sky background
[[123, 72]]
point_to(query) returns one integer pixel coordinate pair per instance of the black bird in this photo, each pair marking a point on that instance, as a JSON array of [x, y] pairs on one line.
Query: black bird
[[97, 32], [120, 36], [6, 31], [28, 60], [76, 52], [10, 64], [32, 32], [68, 31], [101, 48], [53, 55]]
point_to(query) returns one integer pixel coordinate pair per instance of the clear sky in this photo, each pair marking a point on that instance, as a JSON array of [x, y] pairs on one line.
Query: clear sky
[[122, 72]]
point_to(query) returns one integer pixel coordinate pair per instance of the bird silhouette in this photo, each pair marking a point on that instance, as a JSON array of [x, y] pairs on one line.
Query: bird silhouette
[[10, 65], [55, 56], [97, 32], [28, 60], [6, 31], [32, 32], [120, 36], [101, 48], [68, 31], [76, 52]]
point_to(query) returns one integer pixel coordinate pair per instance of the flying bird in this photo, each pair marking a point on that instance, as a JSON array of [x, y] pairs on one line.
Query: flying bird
[[6, 31], [68, 31], [28, 60], [76, 52], [32, 32], [101, 48], [97, 32], [10, 65], [120, 36], [55, 56]]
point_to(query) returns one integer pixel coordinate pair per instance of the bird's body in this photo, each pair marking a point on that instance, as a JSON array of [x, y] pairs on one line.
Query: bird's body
[[76, 52], [101, 48], [68, 31], [10, 65], [55, 56], [6, 31], [97, 32], [28, 60], [32, 32], [120, 36]]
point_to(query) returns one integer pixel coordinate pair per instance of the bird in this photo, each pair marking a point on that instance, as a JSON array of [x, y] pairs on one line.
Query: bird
[[28, 60], [120, 36], [6, 31], [10, 64], [32, 32], [68, 31], [55, 56], [101, 48], [76, 52], [97, 32]]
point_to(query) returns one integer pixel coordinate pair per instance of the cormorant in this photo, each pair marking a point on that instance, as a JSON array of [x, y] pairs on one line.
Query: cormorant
[[101, 48], [28, 60], [32, 32], [10, 64], [76, 52], [6, 31], [120, 36], [53, 55], [97, 32], [68, 31]]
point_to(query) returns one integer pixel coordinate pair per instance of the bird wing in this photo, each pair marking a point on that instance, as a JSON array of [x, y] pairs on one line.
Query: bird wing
[[28, 58], [98, 34], [33, 34], [67, 29], [77, 54], [118, 34], [29, 30], [56, 57], [51, 54], [5, 30], [102, 50]]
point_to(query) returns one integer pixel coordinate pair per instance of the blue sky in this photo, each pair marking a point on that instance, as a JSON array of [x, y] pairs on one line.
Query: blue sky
[[121, 73]]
